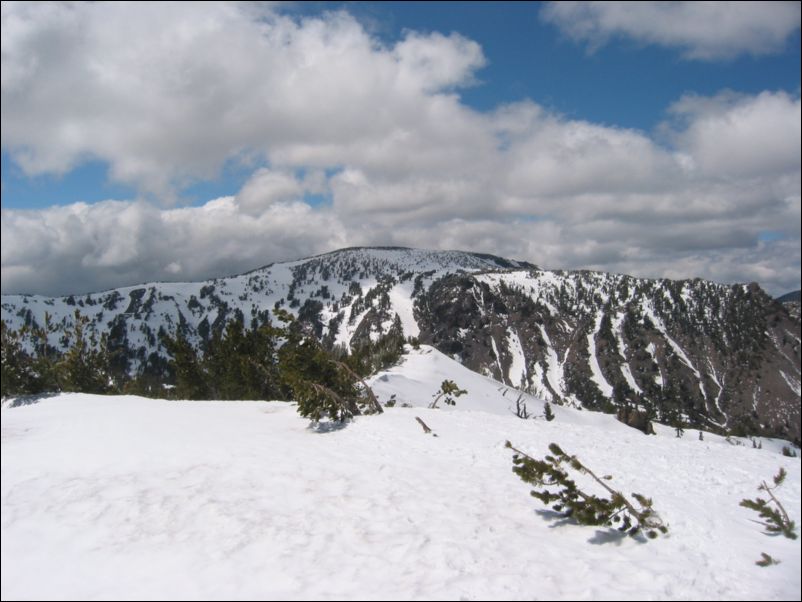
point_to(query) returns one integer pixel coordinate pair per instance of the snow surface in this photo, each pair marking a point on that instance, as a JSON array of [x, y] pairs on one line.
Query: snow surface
[[420, 373], [132, 498], [622, 351], [517, 374], [401, 301], [793, 384], [593, 360], [554, 368]]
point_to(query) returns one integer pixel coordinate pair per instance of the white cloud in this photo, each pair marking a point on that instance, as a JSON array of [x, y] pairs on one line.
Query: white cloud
[[703, 30], [734, 135], [559, 157], [83, 248], [267, 187], [168, 92], [436, 62], [380, 133]]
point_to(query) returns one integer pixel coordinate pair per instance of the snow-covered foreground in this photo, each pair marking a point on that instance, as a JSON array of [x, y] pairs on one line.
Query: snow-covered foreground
[[124, 497]]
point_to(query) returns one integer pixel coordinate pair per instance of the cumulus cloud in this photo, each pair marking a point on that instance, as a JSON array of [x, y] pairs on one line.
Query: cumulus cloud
[[166, 93], [732, 134], [267, 187], [378, 135], [83, 248], [703, 30]]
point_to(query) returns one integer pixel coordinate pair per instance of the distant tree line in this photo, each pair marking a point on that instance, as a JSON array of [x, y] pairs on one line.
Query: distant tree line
[[84, 366], [281, 361]]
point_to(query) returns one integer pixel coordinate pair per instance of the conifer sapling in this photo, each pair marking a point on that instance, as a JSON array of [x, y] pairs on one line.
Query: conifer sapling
[[775, 520], [447, 389], [553, 485], [766, 560]]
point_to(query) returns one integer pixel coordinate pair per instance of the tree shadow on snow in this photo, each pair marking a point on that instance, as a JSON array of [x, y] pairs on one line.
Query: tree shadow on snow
[[329, 426], [610, 536], [27, 400], [617, 537], [558, 518], [601, 537]]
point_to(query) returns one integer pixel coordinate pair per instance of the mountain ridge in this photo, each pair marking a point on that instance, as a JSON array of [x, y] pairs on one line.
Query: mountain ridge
[[792, 296], [717, 356]]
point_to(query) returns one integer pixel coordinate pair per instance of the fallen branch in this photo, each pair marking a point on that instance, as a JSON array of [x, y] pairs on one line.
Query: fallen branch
[[426, 429]]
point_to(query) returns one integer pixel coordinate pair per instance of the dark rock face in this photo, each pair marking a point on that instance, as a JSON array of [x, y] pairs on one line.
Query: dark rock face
[[718, 357], [712, 356], [635, 419]]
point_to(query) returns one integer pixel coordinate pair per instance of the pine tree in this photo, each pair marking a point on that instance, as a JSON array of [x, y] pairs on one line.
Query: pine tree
[[369, 356], [548, 414], [319, 387], [145, 384], [17, 377], [323, 386], [775, 520], [85, 365], [45, 358], [235, 364], [446, 390], [586, 509], [190, 378], [766, 560], [242, 364]]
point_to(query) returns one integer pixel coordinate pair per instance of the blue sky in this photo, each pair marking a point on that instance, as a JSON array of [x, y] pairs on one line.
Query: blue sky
[[625, 83], [590, 121]]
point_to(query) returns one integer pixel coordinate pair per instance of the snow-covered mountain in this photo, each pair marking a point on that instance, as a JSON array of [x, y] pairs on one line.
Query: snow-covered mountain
[[717, 356], [133, 498]]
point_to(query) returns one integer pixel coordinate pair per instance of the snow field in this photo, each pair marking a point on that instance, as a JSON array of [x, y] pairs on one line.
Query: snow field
[[131, 498]]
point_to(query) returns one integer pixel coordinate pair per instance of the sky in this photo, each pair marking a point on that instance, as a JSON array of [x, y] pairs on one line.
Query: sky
[[184, 141]]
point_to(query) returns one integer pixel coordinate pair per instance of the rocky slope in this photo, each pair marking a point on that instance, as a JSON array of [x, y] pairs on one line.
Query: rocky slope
[[791, 302]]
